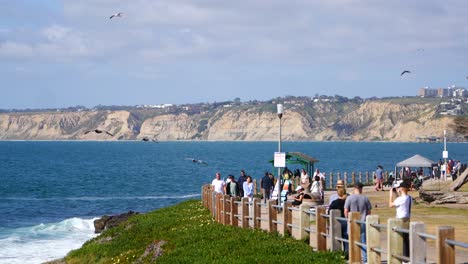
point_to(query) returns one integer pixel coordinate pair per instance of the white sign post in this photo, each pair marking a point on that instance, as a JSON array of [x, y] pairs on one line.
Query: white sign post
[[280, 160], [445, 154]]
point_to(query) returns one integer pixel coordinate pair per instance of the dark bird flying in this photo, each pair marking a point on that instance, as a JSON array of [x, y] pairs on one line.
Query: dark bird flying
[[98, 131], [119, 14], [405, 71], [197, 161]]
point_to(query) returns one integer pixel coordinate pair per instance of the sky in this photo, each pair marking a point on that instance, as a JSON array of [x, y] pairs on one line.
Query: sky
[[60, 53]]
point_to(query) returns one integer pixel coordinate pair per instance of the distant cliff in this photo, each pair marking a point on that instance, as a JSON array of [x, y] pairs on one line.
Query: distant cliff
[[369, 120]]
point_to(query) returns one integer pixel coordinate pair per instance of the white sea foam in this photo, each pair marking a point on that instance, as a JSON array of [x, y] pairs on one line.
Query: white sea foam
[[44, 242]]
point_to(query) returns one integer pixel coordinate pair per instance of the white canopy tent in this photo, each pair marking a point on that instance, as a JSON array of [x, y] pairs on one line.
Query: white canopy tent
[[416, 161]]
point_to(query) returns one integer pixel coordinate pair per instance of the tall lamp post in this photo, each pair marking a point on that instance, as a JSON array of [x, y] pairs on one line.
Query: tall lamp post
[[445, 155], [280, 109]]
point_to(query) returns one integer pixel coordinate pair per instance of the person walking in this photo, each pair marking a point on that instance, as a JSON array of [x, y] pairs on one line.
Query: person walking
[[242, 178], [379, 178], [403, 205], [266, 184], [357, 202]]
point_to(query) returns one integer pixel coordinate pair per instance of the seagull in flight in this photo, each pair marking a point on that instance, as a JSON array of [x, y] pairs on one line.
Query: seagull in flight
[[420, 49], [119, 14], [405, 71], [197, 161], [98, 131]]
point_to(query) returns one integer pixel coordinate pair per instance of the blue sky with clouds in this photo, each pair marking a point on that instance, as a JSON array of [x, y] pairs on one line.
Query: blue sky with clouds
[[63, 53]]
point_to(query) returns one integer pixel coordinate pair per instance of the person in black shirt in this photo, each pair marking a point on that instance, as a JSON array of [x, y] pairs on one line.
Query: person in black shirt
[[240, 182], [266, 184], [339, 204]]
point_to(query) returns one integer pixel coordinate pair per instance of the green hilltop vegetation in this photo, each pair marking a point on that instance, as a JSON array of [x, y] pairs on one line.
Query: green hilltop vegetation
[[186, 233]]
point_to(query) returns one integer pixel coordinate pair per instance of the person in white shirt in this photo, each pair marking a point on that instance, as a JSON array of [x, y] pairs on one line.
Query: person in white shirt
[[218, 184], [248, 188], [403, 210]]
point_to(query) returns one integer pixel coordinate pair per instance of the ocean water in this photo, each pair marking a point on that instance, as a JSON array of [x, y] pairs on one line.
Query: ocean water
[[51, 191]]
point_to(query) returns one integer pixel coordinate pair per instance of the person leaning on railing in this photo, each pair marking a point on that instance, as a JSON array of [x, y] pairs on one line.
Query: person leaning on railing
[[339, 204]]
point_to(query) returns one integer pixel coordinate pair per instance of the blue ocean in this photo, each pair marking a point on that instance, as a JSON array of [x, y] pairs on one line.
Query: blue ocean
[[51, 191]]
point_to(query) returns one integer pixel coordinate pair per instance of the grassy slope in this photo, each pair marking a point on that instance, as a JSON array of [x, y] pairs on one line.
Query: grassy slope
[[193, 237]]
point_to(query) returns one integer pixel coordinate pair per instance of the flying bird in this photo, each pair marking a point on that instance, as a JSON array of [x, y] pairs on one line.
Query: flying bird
[[420, 49], [197, 161], [405, 71], [119, 14], [98, 131]]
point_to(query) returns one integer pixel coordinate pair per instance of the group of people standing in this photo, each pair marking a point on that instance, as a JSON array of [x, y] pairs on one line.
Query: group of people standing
[[243, 187], [358, 202]]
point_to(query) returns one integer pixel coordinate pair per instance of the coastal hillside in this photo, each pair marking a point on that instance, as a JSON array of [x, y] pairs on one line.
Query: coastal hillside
[[382, 120]]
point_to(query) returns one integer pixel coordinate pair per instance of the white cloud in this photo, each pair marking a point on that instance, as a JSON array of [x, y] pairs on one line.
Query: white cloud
[[14, 49], [257, 30]]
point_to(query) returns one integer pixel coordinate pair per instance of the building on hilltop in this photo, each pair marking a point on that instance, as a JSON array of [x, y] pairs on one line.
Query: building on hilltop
[[449, 92], [427, 92]]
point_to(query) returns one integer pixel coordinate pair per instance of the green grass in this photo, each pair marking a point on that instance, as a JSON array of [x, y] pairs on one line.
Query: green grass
[[193, 237]]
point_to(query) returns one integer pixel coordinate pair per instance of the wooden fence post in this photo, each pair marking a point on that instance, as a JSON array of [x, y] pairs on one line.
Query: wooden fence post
[[304, 221], [245, 212], [367, 177], [321, 224], [394, 240], [335, 230], [226, 209], [345, 178], [372, 239], [289, 220], [417, 243], [331, 180], [445, 252], [354, 235], [353, 177], [360, 176], [271, 215], [338, 176], [255, 186], [256, 213], [219, 204], [213, 203], [285, 218], [234, 210]]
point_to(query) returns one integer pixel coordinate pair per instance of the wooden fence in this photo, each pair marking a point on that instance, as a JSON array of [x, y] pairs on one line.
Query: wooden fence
[[324, 229]]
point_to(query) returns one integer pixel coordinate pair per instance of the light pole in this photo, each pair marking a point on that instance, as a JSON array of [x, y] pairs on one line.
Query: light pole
[[280, 109], [445, 155]]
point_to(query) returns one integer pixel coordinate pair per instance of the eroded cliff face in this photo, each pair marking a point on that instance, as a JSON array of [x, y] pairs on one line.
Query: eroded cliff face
[[368, 121], [65, 126]]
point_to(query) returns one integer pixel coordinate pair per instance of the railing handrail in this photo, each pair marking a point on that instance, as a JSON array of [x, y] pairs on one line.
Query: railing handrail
[[227, 209]]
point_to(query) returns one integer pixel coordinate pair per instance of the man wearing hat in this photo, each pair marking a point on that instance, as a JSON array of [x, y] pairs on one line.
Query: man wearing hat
[[403, 209]]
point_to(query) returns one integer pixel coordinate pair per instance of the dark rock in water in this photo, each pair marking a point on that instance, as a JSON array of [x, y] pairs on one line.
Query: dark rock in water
[[106, 221]]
